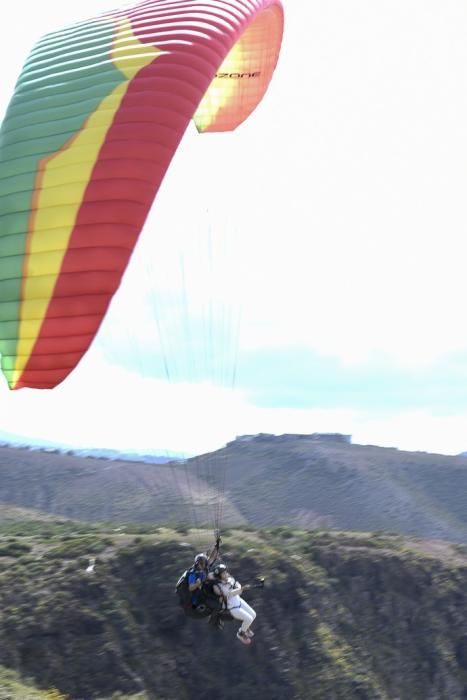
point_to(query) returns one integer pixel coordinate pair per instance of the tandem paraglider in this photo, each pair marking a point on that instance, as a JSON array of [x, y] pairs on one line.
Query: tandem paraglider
[[208, 590], [96, 117]]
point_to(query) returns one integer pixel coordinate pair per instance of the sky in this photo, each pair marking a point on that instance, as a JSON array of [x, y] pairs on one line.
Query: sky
[[305, 273]]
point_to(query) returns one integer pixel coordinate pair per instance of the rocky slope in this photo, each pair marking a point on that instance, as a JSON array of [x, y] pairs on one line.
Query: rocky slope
[[343, 616]]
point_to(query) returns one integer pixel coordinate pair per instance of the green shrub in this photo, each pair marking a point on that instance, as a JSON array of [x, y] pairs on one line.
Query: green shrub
[[77, 547], [182, 529], [14, 549]]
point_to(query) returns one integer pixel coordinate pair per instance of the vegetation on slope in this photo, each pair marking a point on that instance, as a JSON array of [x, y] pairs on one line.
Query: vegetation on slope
[[11, 688], [343, 616]]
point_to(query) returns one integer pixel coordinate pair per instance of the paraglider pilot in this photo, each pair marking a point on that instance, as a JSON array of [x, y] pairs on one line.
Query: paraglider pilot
[[197, 576], [199, 572]]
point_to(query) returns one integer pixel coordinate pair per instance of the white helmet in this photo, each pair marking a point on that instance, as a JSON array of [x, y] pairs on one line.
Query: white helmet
[[219, 570], [201, 557]]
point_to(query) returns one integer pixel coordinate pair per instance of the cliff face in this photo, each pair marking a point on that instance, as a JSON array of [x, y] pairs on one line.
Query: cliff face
[[341, 617]]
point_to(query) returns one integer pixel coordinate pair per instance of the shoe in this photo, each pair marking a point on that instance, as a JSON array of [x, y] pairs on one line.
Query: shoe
[[243, 637]]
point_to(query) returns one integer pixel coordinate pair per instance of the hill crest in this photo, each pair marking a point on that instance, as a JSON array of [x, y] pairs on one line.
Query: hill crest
[[262, 480]]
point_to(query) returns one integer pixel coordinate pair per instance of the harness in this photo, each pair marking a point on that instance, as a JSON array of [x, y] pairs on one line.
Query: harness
[[208, 601]]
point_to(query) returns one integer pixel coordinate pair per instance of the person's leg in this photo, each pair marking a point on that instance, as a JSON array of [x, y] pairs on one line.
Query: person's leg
[[247, 608], [244, 616]]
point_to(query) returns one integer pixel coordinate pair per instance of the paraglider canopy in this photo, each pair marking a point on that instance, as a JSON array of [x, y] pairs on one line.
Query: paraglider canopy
[[97, 114]]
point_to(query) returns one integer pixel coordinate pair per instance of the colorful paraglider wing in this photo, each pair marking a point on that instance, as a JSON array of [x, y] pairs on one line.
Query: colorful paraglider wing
[[97, 114]]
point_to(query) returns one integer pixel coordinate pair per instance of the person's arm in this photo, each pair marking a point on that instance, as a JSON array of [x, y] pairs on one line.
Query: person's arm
[[214, 552], [194, 583], [236, 590]]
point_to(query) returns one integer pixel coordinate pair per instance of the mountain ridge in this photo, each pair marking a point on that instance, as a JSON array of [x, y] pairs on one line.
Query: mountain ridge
[[305, 481]]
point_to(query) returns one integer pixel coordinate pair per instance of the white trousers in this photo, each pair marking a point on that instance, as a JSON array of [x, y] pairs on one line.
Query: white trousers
[[245, 613]]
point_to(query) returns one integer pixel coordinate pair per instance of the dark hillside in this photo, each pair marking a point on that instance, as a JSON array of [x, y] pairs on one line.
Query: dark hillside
[[343, 617]]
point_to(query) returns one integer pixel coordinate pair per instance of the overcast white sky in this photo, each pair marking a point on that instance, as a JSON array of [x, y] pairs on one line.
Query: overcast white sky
[[331, 224]]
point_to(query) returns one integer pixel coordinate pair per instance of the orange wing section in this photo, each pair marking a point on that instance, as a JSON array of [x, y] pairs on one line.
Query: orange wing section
[[244, 76]]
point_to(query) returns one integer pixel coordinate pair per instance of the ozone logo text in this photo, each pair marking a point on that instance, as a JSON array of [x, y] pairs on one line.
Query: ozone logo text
[[238, 75]]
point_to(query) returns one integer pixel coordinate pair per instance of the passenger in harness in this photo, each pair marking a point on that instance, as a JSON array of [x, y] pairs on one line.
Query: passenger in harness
[[230, 590]]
